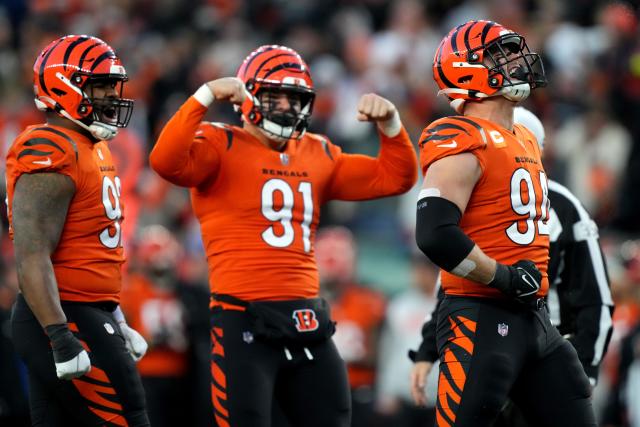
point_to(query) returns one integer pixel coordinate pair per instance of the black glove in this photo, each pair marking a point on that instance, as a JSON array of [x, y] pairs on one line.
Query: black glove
[[521, 280]]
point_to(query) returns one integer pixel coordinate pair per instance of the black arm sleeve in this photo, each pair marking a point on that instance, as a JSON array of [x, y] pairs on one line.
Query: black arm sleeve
[[438, 234]]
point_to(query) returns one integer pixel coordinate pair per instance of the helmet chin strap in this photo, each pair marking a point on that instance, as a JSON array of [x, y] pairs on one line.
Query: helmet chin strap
[[518, 92], [100, 131], [277, 132]]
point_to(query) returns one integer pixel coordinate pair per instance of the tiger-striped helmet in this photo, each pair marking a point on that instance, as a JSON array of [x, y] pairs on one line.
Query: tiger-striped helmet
[[481, 59], [61, 74], [277, 69]]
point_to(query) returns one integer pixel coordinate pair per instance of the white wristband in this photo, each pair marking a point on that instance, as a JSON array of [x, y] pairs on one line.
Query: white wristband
[[392, 126], [204, 95]]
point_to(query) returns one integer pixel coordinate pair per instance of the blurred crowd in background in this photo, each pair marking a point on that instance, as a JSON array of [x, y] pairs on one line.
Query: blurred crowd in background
[[381, 288]]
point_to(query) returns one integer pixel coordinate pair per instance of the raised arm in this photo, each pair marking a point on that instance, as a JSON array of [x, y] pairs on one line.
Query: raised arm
[[394, 171], [40, 204], [183, 155]]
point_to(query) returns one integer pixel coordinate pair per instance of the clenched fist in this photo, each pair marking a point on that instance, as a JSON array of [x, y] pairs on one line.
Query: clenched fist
[[374, 108], [230, 89]]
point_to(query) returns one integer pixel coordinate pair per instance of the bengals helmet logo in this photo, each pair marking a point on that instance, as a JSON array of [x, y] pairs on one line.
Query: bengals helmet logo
[[306, 320]]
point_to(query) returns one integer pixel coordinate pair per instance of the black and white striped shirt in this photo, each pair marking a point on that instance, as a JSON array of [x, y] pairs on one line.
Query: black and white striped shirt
[[579, 298]]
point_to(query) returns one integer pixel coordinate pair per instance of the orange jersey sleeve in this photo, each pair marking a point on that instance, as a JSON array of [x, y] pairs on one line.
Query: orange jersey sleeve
[[360, 177], [507, 213], [89, 255], [43, 149], [184, 154], [447, 137]]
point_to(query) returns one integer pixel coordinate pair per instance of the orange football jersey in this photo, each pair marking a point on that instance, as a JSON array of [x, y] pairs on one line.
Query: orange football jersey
[[259, 208], [89, 255], [508, 210]]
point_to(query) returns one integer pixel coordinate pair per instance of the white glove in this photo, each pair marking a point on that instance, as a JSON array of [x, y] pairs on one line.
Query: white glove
[[135, 343], [74, 368]]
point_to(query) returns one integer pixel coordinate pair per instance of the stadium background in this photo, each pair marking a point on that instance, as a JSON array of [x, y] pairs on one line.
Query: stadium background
[[590, 110]]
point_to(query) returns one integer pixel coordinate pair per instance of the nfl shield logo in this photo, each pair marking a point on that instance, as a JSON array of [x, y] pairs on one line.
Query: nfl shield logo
[[247, 337], [284, 159], [503, 329]]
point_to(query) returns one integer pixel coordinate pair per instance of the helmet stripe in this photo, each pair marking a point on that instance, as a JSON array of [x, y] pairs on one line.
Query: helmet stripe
[[84, 54], [106, 55], [71, 47], [486, 29], [43, 64], [269, 59], [288, 66], [253, 58], [466, 34], [444, 78], [454, 43]]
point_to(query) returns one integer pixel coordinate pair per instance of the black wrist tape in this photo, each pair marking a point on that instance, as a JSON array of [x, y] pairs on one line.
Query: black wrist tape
[[65, 346]]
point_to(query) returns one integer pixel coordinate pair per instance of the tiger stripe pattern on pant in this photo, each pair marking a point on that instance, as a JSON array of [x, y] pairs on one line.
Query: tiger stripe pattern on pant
[[454, 368]]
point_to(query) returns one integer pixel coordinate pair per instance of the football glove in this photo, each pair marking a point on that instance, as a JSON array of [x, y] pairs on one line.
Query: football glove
[[70, 357], [135, 343], [520, 281]]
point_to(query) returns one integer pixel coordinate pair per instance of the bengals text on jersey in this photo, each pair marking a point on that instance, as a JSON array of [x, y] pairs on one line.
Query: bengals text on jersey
[[89, 255], [508, 210]]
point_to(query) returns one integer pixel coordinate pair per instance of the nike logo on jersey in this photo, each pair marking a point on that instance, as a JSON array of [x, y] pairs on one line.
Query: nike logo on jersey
[[43, 162], [452, 144]]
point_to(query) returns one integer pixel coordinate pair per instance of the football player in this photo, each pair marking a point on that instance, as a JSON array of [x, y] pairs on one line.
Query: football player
[[482, 217], [63, 195], [579, 298], [257, 192]]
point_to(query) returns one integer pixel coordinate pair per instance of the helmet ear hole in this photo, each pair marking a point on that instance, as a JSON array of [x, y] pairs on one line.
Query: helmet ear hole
[[58, 92], [464, 79]]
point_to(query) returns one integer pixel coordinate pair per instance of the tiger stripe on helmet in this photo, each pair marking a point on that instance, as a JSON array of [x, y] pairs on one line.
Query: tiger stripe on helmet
[[271, 71], [85, 53], [70, 49], [43, 64], [485, 31], [467, 45], [106, 55]]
